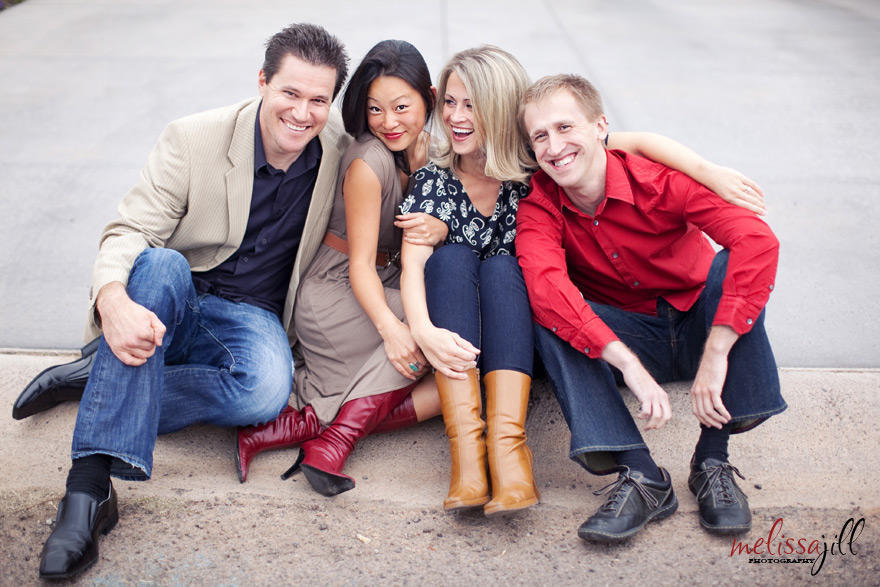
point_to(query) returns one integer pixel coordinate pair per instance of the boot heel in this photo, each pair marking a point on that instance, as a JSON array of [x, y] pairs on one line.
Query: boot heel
[[294, 467], [510, 459]]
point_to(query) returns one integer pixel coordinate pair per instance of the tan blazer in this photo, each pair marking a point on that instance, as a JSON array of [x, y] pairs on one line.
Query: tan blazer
[[194, 196]]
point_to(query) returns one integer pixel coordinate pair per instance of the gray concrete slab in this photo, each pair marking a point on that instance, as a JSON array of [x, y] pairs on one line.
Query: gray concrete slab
[[784, 91], [815, 466]]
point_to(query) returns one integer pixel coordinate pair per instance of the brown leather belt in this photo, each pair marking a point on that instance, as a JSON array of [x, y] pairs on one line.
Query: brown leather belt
[[383, 258]]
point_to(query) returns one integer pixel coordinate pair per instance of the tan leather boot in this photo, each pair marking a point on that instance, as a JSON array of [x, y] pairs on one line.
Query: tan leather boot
[[461, 406], [510, 460]]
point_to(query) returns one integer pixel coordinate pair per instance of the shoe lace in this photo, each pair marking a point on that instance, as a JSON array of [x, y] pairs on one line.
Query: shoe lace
[[617, 491], [720, 478]]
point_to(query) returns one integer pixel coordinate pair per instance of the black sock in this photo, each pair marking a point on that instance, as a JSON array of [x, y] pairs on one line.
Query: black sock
[[712, 444], [639, 460], [91, 475]]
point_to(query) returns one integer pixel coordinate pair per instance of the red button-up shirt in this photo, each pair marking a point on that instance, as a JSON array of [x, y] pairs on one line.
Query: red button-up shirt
[[645, 241]]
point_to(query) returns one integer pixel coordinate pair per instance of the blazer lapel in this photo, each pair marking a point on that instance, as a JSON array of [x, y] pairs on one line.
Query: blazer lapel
[[240, 178]]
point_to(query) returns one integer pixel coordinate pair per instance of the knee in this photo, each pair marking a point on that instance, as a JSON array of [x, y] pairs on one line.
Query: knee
[[716, 275], [452, 258], [501, 271], [262, 399], [500, 265], [159, 269]]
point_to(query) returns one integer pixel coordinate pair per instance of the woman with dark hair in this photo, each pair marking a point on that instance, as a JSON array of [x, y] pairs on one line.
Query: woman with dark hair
[[358, 369]]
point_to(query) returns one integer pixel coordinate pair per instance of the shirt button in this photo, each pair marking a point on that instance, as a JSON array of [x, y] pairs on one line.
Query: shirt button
[[586, 350], [595, 223], [749, 321], [635, 284], [771, 287], [614, 255], [554, 329]]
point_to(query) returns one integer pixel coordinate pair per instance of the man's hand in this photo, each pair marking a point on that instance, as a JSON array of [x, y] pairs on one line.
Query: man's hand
[[654, 400], [131, 331], [709, 381]]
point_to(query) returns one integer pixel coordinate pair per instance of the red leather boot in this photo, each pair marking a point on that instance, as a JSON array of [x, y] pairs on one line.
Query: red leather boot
[[290, 428], [402, 416], [323, 458]]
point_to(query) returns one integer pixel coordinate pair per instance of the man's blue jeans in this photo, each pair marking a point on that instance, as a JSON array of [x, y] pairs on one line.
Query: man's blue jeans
[[221, 362], [484, 302], [670, 346]]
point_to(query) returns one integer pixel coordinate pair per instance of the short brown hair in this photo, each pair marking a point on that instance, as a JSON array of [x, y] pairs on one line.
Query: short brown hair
[[311, 43], [582, 90]]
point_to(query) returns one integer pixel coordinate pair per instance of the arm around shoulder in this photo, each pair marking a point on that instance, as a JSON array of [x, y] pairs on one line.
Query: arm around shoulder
[[731, 185]]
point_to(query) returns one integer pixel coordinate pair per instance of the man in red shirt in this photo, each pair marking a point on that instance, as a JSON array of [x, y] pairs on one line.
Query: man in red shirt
[[626, 289]]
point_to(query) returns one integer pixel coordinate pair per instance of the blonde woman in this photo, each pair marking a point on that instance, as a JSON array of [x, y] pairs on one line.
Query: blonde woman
[[468, 299], [466, 303]]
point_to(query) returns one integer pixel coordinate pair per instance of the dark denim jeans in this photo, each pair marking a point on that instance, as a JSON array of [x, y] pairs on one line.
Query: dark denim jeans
[[670, 346], [484, 302], [221, 362]]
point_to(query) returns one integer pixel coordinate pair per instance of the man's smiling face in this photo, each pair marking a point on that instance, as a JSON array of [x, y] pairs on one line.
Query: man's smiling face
[[296, 104], [567, 144]]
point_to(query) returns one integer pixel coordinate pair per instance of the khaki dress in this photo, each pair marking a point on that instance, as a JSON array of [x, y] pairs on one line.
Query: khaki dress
[[339, 355]]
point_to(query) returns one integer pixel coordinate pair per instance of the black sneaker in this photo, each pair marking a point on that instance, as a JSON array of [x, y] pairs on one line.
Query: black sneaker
[[724, 508], [633, 502]]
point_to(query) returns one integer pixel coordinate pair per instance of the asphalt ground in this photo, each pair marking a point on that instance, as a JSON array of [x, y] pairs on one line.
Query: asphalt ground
[[784, 91]]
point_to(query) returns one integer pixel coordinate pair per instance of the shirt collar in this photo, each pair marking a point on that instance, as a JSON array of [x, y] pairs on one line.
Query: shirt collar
[[617, 185], [260, 163]]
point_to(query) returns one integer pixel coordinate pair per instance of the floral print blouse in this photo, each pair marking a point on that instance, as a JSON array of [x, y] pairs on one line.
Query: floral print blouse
[[438, 191]]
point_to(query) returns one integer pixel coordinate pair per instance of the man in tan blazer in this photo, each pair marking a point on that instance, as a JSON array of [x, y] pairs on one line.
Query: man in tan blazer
[[194, 283]]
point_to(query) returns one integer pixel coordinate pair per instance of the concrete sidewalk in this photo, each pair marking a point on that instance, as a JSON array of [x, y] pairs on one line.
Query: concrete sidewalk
[[815, 466]]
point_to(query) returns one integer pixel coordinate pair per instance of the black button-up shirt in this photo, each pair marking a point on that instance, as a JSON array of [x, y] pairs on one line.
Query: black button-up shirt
[[258, 273]]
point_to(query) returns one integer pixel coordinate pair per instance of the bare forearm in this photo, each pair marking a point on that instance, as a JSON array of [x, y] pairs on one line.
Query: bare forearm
[[412, 289], [721, 339], [662, 150], [370, 294], [618, 355]]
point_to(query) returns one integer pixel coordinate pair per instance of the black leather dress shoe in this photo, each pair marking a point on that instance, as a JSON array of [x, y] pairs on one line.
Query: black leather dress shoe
[[633, 501], [724, 508], [56, 384], [73, 545]]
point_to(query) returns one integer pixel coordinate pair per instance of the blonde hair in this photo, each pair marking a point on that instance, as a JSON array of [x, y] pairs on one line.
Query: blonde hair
[[495, 82], [584, 93]]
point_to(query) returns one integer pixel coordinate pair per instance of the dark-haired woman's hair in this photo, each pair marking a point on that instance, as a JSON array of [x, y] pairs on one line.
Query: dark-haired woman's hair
[[393, 58]]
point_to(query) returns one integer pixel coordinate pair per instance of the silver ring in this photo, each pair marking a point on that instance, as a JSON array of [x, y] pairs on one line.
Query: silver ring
[[414, 366]]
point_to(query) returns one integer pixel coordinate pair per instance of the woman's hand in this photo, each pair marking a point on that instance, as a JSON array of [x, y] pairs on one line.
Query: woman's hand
[[735, 188], [449, 353], [403, 352], [421, 229]]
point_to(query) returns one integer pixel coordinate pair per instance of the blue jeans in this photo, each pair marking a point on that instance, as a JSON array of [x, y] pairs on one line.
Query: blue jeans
[[670, 346], [221, 362], [484, 302]]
